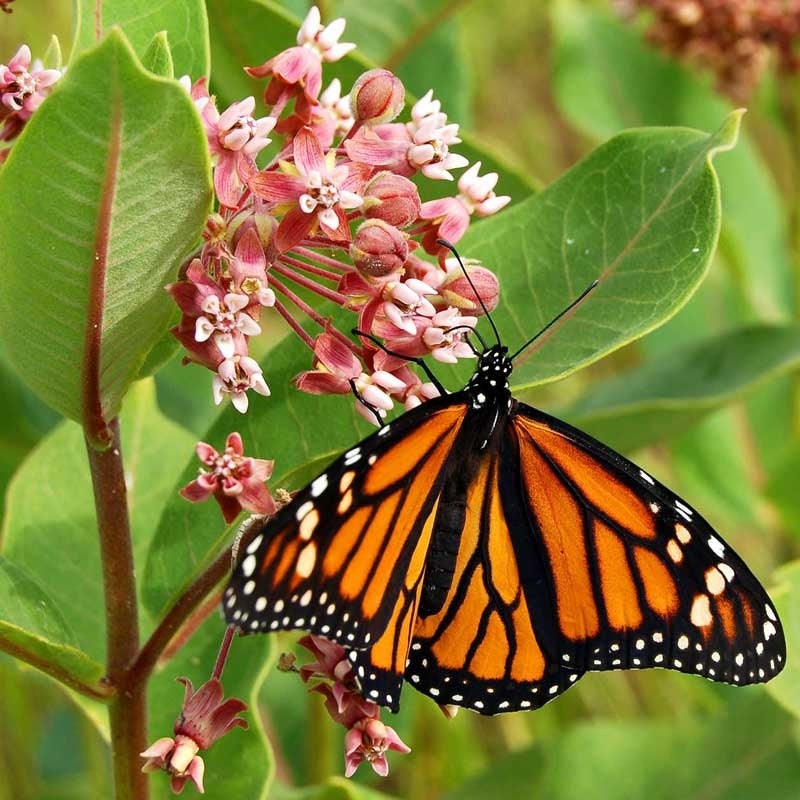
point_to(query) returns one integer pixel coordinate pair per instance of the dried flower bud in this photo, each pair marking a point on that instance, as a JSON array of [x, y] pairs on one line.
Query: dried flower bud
[[378, 249], [457, 292], [377, 96], [392, 198]]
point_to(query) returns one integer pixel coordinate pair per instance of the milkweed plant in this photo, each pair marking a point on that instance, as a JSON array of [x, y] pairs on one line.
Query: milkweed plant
[[283, 246]]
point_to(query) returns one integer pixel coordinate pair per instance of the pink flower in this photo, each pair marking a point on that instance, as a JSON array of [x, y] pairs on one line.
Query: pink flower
[[477, 193], [432, 137], [405, 301], [22, 92], [368, 740], [235, 376], [338, 371], [235, 138], [236, 481], [249, 269], [316, 190], [221, 318], [323, 39], [445, 336], [332, 117], [204, 718], [297, 72]]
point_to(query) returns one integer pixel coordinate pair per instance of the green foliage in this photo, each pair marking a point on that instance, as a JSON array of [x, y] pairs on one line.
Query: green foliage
[[102, 240], [682, 241]]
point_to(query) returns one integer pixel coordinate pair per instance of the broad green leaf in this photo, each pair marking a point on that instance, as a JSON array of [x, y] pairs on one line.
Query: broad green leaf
[[240, 764], [785, 688], [671, 392], [32, 622], [50, 528], [185, 22], [23, 422], [84, 299], [248, 32], [744, 751], [158, 58], [607, 78], [640, 214], [782, 490]]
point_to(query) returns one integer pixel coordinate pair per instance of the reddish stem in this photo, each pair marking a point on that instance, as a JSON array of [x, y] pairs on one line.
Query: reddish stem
[[310, 268], [299, 302], [302, 280], [127, 711], [293, 323], [322, 259], [224, 649]]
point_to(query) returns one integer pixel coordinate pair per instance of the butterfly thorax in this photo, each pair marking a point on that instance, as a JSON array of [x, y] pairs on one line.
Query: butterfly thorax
[[488, 386]]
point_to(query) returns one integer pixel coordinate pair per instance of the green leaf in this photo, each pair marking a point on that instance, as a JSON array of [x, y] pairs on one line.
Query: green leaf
[[670, 393], [782, 489], [785, 688], [745, 751], [50, 529], [607, 78], [31, 621], [640, 214], [185, 22], [240, 764], [84, 299], [158, 58]]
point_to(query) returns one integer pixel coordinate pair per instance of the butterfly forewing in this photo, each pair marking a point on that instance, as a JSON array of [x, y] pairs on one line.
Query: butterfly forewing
[[337, 558], [639, 578]]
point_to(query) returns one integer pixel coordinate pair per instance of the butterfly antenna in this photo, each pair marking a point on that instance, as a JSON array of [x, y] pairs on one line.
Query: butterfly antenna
[[452, 249], [571, 307]]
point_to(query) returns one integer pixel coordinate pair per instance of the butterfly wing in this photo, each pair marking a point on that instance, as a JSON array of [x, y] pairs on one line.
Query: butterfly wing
[[637, 577], [345, 558]]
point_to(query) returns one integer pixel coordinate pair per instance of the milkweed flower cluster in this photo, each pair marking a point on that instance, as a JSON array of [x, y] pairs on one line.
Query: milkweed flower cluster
[[23, 87], [734, 40], [367, 738], [333, 214]]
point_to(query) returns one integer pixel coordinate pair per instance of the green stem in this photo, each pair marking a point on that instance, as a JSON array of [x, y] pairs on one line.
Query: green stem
[[127, 711]]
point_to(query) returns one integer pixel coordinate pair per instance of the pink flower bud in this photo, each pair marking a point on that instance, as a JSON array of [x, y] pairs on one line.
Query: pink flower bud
[[456, 291], [377, 96], [378, 249], [392, 198]]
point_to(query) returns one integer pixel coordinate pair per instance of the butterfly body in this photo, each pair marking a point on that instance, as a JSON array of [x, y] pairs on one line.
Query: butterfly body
[[490, 554]]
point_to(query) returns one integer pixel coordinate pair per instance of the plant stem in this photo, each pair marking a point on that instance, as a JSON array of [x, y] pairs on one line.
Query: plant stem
[[127, 711], [181, 610]]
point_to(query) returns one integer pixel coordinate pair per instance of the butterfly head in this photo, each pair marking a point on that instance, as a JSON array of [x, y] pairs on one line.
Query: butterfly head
[[489, 383]]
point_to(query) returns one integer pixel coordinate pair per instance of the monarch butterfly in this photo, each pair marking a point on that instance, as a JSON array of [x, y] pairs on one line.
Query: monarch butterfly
[[490, 555]]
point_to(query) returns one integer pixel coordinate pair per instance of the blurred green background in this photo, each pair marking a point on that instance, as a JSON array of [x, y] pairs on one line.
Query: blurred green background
[[539, 84]]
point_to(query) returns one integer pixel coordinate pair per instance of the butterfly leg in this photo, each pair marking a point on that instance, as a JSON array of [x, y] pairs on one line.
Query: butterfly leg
[[412, 359]]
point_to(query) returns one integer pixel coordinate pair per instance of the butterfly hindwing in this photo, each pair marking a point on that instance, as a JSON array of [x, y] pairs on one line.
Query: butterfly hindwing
[[482, 649], [639, 578], [348, 548]]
